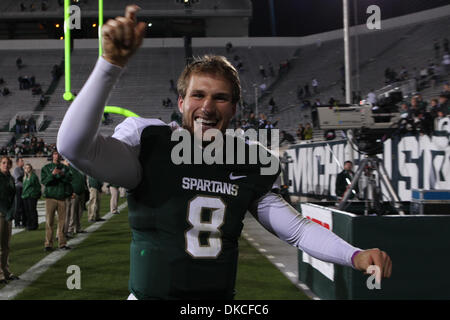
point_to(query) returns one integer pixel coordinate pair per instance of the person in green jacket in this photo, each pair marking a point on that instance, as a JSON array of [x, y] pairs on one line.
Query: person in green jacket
[[93, 205], [31, 193], [7, 195], [55, 177], [79, 187]]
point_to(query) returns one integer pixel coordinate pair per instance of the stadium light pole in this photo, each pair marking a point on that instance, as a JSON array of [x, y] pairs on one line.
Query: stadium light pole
[[347, 54]]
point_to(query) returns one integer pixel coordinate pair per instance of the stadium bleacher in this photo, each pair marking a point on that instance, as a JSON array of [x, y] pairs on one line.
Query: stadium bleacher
[[145, 83]]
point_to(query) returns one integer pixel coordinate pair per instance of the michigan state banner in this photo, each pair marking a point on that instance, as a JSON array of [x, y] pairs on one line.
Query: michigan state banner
[[412, 162]]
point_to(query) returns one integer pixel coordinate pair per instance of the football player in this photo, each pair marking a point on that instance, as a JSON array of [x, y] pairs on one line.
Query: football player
[[185, 218]]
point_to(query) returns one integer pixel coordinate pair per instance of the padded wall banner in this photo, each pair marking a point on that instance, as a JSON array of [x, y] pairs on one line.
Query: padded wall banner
[[412, 162]]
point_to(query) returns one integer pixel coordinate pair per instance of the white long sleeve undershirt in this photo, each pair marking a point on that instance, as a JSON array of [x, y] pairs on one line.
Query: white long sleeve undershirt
[[115, 159]]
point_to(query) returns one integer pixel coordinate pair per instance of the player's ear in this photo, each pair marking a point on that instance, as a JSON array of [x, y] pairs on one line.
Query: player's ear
[[180, 104]]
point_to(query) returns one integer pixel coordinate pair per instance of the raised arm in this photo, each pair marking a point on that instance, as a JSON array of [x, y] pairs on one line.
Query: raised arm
[[106, 158], [278, 217]]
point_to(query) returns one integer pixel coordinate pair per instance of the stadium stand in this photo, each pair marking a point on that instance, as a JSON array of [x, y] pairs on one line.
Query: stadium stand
[[145, 83]]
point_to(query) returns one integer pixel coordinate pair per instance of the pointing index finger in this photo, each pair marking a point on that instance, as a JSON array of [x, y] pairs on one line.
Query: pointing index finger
[[130, 12]]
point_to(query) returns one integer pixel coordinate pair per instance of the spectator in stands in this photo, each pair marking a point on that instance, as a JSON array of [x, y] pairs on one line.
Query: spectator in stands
[[40, 147], [271, 70], [36, 90], [5, 91], [245, 125], [415, 109], [344, 179], [446, 63], [26, 139], [169, 103], [444, 105], [55, 176], [424, 123], [262, 87], [56, 72], [262, 71], [445, 45], [423, 73], [93, 205], [229, 47], [315, 85], [300, 92], [31, 125], [300, 132], [404, 111], [434, 108], [354, 98], [253, 122], [272, 106], [306, 89], [19, 64], [436, 48], [240, 66], [22, 7], [371, 97], [262, 121], [7, 193], [308, 133], [446, 90], [315, 115], [285, 136], [20, 219], [42, 100], [172, 86], [403, 73], [30, 194]]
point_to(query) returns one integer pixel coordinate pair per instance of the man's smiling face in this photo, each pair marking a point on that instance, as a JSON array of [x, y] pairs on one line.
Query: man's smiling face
[[207, 104]]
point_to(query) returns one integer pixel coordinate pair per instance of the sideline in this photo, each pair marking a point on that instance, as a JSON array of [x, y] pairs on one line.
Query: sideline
[[12, 289], [282, 255]]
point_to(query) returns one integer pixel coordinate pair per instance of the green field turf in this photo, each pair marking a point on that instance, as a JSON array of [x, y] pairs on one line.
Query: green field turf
[[103, 259]]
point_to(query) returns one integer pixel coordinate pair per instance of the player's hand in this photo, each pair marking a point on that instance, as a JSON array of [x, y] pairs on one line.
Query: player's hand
[[122, 36], [376, 257]]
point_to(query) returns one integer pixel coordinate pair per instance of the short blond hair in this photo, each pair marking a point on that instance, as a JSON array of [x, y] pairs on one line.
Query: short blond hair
[[215, 65]]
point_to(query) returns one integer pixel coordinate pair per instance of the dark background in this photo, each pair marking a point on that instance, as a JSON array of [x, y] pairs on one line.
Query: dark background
[[304, 17]]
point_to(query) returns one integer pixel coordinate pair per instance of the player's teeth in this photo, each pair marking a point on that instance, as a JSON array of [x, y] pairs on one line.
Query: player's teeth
[[208, 122]]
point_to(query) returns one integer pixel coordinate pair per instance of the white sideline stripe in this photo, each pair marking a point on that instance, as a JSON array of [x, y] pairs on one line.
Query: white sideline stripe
[[306, 290], [290, 274], [11, 290]]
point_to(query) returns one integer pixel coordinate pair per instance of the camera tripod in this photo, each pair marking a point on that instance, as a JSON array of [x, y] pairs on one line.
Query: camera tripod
[[374, 200]]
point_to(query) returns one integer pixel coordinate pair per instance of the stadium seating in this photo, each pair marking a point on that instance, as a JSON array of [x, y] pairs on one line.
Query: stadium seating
[[145, 83]]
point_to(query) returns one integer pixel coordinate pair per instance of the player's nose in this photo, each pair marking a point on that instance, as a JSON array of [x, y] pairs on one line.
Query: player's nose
[[208, 107]]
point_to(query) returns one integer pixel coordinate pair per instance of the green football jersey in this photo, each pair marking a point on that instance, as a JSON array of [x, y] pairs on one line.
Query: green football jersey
[[186, 220]]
